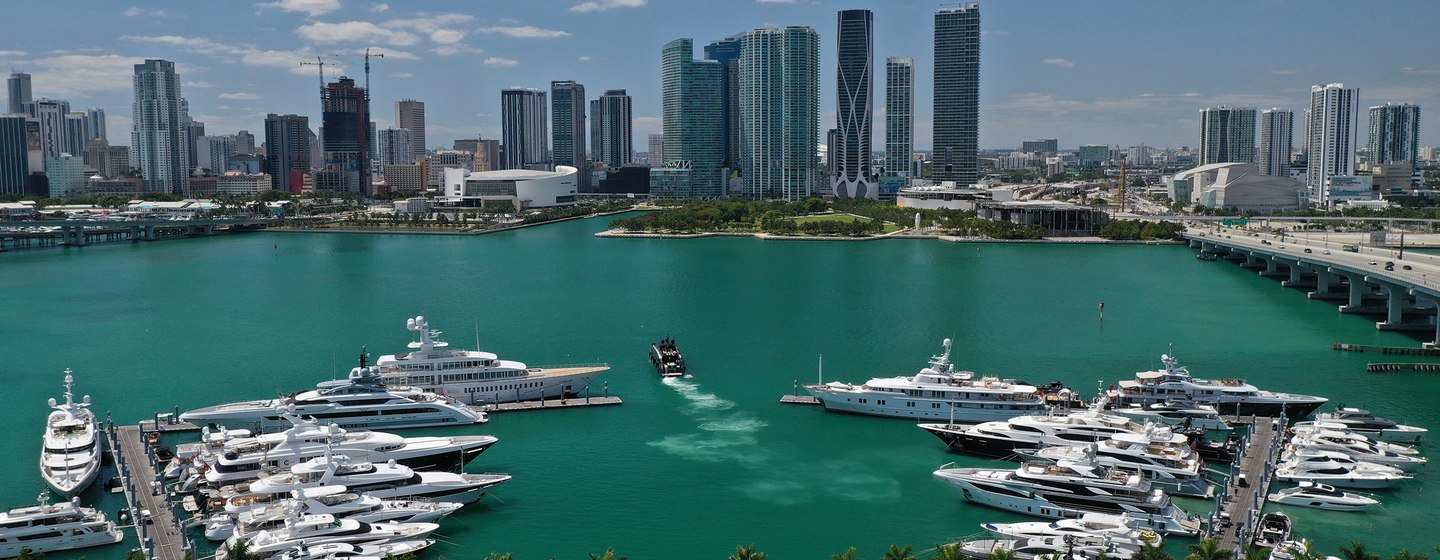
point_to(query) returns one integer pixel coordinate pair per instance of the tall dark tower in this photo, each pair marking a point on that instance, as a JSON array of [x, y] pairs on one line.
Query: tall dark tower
[[957, 93], [346, 120], [853, 106]]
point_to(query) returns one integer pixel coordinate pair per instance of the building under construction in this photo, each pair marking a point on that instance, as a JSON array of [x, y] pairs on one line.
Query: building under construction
[[346, 138]]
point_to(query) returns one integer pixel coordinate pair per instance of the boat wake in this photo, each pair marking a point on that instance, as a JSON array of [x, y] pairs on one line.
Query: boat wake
[[725, 435]]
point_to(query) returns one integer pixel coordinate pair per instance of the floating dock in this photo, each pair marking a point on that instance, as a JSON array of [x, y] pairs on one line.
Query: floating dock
[[546, 404], [1390, 367], [1391, 350], [1241, 501], [162, 537], [799, 399]]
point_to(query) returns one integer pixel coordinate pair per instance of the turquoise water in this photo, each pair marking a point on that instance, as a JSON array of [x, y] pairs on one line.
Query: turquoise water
[[688, 468]]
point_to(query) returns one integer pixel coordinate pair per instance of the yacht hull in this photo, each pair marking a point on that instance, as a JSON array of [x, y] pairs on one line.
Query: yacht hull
[[1343, 482], [61, 544], [914, 408], [957, 440], [70, 482], [1037, 506]]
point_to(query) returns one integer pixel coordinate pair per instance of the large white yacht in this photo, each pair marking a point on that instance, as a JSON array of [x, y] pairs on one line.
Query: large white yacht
[[938, 391], [477, 377], [1358, 448], [1177, 413], [323, 529], [347, 551], [1335, 469], [1071, 489], [50, 527], [1366, 423], [1173, 467], [1118, 528], [362, 400], [71, 456], [333, 500], [245, 458], [383, 480], [1002, 438], [1048, 548], [1228, 396]]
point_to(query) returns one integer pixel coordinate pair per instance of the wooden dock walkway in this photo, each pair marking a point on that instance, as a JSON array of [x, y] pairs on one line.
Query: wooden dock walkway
[[1239, 506], [162, 537], [1389, 350], [547, 404], [799, 399]]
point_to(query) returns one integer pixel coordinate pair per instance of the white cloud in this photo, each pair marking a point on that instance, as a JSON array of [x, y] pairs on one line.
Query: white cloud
[[501, 62], [314, 8], [446, 36], [244, 95], [381, 7], [452, 50], [13, 53], [394, 54], [525, 32], [1058, 62], [402, 75], [198, 85], [509, 21], [190, 44], [74, 75], [603, 5], [584, 59], [1191, 94], [354, 32], [133, 11], [290, 62]]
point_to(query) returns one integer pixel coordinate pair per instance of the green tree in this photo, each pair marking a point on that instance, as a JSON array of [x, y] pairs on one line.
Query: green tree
[[1405, 554], [240, 551], [847, 555], [897, 553], [609, 555], [747, 553], [1208, 549], [999, 553], [948, 552], [1251, 552], [27, 554], [1148, 551], [500, 556], [1356, 551]]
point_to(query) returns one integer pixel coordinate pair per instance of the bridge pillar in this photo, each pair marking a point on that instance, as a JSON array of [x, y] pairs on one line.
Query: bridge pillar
[[207, 229], [1251, 261], [1294, 273], [1358, 288], [149, 233], [1322, 280], [1435, 322], [1394, 304]]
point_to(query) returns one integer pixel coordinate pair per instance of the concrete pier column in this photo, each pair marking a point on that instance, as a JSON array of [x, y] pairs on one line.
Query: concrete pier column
[[149, 233], [1394, 305], [1251, 261], [1270, 266], [1357, 291], [1322, 280], [1434, 321], [1295, 273]]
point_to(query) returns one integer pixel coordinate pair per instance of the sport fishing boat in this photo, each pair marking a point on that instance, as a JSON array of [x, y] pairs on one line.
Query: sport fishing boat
[[1274, 530], [361, 401], [1228, 396], [1322, 496], [1173, 467], [1365, 423], [1120, 529], [1335, 469], [1001, 439], [50, 527], [479, 377], [1176, 413], [938, 391], [311, 530], [1071, 489], [665, 356], [1048, 548], [70, 458], [332, 500]]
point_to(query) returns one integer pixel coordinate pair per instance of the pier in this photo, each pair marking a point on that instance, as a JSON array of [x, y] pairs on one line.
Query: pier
[[79, 233], [799, 399], [572, 402], [1392, 367], [162, 537], [1238, 509], [1388, 350]]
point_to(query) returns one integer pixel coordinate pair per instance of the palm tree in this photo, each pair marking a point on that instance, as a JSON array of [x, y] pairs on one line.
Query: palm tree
[[897, 553], [1251, 552], [847, 555], [1356, 551], [1209, 549], [500, 556], [609, 555], [1405, 554], [1148, 551], [1002, 554], [747, 553], [947, 552], [240, 551]]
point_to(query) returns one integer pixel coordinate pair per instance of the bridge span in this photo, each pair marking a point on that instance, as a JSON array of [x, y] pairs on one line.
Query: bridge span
[[1396, 285], [85, 232]]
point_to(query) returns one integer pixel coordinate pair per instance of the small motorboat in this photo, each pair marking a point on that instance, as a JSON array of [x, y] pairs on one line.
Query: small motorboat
[[1336, 470], [1274, 530], [1366, 423], [1322, 496], [1290, 550], [1119, 529], [1206, 257], [665, 355]]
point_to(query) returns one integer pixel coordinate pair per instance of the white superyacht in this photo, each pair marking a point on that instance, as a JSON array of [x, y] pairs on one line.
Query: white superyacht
[[71, 456], [478, 377], [50, 527]]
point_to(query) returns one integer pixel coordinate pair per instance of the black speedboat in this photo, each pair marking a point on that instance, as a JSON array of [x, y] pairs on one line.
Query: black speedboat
[[665, 355]]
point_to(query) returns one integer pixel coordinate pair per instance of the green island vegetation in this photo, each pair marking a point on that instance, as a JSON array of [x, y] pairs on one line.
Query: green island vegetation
[[814, 216], [1140, 230]]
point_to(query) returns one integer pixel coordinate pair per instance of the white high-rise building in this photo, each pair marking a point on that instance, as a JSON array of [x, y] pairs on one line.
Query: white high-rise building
[[1332, 131], [657, 149], [1227, 135], [779, 112], [410, 115], [396, 146], [1277, 128], [853, 112], [54, 135], [159, 145]]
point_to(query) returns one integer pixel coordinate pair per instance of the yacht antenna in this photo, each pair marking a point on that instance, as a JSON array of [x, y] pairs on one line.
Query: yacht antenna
[[477, 334], [820, 372]]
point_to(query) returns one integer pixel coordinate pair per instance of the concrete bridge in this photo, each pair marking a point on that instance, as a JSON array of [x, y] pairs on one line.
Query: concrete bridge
[[85, 232], [1378, 281]]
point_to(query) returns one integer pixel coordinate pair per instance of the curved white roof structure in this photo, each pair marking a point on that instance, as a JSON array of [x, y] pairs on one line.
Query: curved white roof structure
[[1242, 186]]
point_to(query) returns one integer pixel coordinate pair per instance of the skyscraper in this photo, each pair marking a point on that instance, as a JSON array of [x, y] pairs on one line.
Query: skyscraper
[[14, 155], [1277, 129], [51, 115], [1332, 131], [567, 126], [194, 131], [1395, 134], [779, 112], [394, 147], [523, 129], [159, 145], [853, 106], [899, 114], [594, 131], [345, 118], [727, 53], [694, 148], [410, 115], [287, 150], [656, 149], [18, 86], [95, 119], [957, 93], [1227, 135], [615, 122], [77, 133]]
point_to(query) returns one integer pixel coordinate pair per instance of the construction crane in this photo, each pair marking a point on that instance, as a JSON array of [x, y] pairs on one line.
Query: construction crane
[[367, 54], [1122, 178], [318, 62]]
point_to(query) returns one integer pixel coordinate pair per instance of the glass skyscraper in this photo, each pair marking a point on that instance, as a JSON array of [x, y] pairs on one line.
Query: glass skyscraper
[[1395, 134], [1330, 136], [1227, 135], [1277, 131], [727, 52], [567, 119], [693, 126], [523, 129], [854, 91], [899, 115], [159, 141], [957, 93], [779, 112]]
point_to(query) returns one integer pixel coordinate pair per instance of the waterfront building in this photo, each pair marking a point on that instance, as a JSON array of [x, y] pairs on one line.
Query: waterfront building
[[287, 150], [51, 115], [1331, 134], [345, 131], [1227, 134], [656, 153], [614, 133], [18, 88], [66, 174], [938, 197], [854, 92], [1050, 146], [14, 154], [694, 148], [159, 141], [410, 115], [727, 52], [567, 124], [1395, 134], [779, 112], [899, 115], [405, 177], [1238, 185], [1059, 219], [1093, 155], [522, 188], [1276, 132], [523, 129], [394, 146], [242, 184], [443, 159], [956, 124]]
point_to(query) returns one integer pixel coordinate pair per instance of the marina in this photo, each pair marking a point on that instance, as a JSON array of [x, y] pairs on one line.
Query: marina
[[160, 532], [1245, 494]]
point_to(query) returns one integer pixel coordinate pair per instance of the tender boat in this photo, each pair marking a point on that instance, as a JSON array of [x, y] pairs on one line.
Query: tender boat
[[1322, 496], [938, 391], [1292, 550], [1004, 438], [363, 400], [332, 500], [665, 356], [1381, 429], [1048, 548], [1177, 413], [479, 377], [1274, 530], [70, 458], [311, 530], [1335, 469], [1173, 467], [47, 527], [1228, 396], [347, 551], [1071, 489], [1120, 529]]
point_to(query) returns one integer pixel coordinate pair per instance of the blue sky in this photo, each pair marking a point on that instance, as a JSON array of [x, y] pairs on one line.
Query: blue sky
[[1113, 72]]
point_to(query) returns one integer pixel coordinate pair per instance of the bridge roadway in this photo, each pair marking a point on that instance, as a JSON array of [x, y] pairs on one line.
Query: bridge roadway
[[84, 232], [1336, 274]]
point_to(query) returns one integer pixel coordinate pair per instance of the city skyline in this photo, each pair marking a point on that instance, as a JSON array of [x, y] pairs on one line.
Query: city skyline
[[456, 58]]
